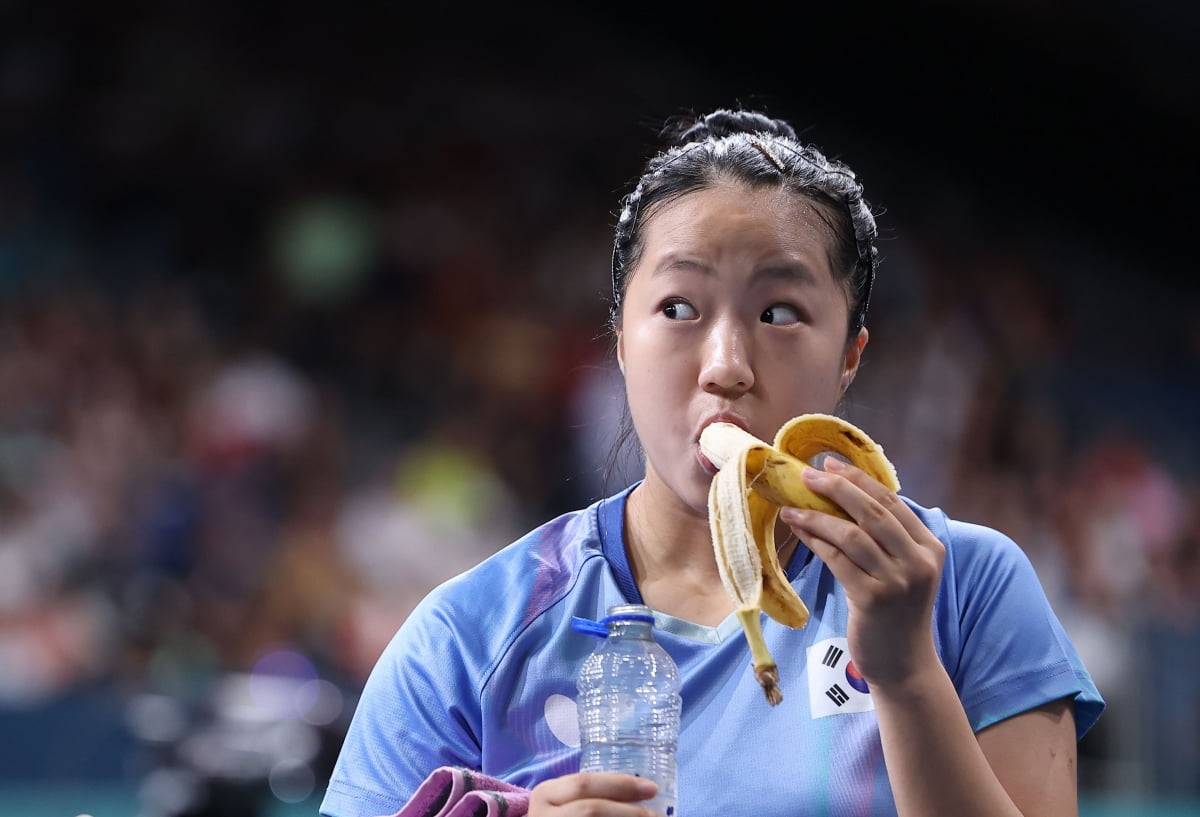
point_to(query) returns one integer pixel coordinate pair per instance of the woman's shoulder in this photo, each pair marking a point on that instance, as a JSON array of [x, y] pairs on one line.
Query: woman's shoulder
[[521, 579], [986, 572], [970, 545]]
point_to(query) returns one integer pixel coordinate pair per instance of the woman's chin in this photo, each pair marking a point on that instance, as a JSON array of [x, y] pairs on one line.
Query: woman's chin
[[689, 490]]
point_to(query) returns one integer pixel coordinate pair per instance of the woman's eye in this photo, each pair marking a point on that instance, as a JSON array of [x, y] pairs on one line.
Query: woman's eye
[[780, 315], [679, 310]]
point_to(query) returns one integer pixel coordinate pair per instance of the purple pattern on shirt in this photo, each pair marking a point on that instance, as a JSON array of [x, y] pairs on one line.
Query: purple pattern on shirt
[[552, 573]]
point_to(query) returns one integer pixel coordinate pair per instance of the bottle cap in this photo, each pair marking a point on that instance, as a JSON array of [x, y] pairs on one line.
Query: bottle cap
[[629, 612], [620, 612]]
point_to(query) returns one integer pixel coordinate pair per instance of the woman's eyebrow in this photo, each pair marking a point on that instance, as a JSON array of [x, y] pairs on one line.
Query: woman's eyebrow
[[776, 272], [787, 272], [682, 264]]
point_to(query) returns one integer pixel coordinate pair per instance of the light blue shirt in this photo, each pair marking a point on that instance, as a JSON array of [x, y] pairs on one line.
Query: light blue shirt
[[482, 675]]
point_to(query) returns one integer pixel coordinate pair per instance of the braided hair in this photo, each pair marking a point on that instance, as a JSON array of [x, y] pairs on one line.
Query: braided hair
[[752, 148]]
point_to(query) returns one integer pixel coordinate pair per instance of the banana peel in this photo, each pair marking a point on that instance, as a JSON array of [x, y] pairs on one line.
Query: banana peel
[[754, 480]]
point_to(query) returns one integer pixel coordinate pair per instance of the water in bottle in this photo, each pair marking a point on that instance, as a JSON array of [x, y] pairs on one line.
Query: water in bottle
[[629, 704]]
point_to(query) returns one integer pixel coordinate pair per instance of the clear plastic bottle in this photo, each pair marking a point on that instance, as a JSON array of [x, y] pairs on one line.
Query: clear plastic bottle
[[629, 704]]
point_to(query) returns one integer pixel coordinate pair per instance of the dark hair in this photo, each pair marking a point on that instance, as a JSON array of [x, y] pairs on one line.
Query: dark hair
[[752, 148]]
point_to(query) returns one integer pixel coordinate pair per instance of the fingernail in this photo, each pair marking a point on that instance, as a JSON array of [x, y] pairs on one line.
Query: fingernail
[[793, 516], [647, 788], [834, 464]]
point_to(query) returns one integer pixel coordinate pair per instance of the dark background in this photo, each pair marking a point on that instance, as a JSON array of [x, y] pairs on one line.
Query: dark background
[[1085, 113]]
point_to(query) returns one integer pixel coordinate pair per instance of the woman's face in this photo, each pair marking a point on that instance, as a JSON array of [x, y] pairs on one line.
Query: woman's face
[[732, 313]]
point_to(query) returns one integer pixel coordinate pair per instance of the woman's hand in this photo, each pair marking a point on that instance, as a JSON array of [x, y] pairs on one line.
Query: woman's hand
[[888, 562], [592, 794]]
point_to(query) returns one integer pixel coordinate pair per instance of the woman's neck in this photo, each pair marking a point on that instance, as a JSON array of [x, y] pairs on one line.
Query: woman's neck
[[671, 556]]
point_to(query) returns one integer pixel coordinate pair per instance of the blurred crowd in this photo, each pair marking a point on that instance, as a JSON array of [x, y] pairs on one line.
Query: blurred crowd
[[256, 397]]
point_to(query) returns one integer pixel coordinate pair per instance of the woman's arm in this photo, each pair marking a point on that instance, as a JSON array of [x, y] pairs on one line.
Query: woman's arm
[[1035, 756], [1024, 765], [890, 566]]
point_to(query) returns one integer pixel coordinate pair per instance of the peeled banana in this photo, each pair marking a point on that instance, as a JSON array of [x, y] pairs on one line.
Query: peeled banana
[[754, 480]]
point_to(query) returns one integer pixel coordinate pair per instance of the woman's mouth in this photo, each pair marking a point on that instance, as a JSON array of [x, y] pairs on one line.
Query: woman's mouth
[[721, 417]]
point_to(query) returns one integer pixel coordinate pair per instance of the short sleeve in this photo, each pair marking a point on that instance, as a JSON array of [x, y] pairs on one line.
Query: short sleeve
[[1011, 653], [414, 715]]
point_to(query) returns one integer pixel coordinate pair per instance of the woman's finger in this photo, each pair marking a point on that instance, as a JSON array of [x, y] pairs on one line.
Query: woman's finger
[[847, 539], [840, 562], [878, 510], [618, 794]]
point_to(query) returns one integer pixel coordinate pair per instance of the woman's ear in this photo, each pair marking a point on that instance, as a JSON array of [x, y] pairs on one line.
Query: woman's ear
[[620, 351], [854, 350]]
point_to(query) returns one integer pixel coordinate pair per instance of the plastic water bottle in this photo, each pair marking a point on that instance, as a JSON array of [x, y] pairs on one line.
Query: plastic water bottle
[[629, 703]]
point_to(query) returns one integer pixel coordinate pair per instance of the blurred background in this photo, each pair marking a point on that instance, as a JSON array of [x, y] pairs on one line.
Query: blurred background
[[302, 311]]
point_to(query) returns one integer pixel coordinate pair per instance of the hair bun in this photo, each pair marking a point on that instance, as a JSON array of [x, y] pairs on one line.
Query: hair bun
[[724, 122]]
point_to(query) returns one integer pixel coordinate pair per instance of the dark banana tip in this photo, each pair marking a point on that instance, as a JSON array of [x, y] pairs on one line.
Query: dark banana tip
[[768, 679]]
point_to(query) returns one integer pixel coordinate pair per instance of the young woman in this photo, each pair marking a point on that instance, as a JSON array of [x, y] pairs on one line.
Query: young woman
[[742, 268]]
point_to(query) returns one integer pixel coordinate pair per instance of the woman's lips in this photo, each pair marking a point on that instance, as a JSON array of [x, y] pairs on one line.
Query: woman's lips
[[723, 417]]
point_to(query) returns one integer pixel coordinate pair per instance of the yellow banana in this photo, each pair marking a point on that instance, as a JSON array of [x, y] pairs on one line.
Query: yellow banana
[[753, 481]]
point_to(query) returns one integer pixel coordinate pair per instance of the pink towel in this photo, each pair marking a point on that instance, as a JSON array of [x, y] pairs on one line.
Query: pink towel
[[455, 792]]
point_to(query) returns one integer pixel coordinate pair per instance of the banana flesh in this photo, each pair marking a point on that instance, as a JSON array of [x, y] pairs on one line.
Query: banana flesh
[[754, 480]]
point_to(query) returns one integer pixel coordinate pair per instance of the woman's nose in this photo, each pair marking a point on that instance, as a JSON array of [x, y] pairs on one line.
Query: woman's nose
[[725, 368]]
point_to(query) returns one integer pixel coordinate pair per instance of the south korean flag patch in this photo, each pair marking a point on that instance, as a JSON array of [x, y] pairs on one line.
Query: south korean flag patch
[[834, 685]]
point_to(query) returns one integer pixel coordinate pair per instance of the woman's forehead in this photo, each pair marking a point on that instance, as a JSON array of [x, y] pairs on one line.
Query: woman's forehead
[[768, 221]]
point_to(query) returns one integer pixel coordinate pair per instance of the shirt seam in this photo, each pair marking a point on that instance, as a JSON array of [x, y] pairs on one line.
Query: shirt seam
[[1044, 673], [517, 632]]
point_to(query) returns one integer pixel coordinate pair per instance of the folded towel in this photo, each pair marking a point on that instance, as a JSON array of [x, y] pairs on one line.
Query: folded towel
[[455, 792]]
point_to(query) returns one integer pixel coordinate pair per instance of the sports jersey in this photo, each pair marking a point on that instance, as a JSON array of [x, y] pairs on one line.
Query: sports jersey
[[482, 675]]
